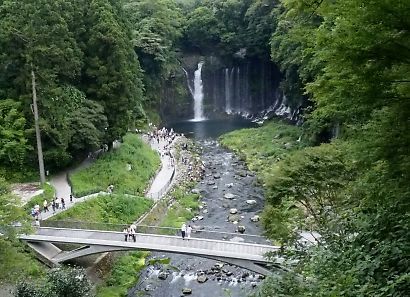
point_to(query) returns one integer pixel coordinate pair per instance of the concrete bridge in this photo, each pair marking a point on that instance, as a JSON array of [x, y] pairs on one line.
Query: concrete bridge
[[247, 255]]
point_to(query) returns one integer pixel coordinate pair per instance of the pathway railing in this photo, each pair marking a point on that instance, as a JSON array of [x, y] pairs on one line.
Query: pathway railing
[[163, 190], [199, 232]]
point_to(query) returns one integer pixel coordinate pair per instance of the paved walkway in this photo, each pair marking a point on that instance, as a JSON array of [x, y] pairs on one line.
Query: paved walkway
[[159, 186], [162, 180]]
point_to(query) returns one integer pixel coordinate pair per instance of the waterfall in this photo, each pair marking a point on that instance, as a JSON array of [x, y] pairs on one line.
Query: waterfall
[[228, 104], [198, 94], [188, 82]]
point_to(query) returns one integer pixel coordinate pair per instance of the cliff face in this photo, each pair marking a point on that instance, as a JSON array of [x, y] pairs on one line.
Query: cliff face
[[247, 87]]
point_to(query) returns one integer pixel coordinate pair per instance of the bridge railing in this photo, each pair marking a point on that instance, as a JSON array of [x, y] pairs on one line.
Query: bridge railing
[[197, 232]]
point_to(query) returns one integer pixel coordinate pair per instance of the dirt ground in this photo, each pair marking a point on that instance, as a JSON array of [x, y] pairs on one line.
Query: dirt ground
[[26, 191]]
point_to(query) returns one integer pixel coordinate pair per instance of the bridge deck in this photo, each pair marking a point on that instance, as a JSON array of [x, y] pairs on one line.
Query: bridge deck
[[153, 242]]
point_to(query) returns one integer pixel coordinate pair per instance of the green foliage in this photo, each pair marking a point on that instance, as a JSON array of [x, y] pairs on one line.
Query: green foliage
[[124, 275], [113, 73], [111, 168], [183, 209], [112, 209], [263, 147], [13, 141], [59, 282], [16, 262], [88, 78]]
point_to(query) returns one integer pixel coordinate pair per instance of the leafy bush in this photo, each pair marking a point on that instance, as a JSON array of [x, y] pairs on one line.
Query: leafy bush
[[124, 275]]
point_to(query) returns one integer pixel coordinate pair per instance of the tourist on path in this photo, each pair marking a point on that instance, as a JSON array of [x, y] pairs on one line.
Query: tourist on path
[[57, 203], [45, 205], [62, 203], [53, 205], [183, 230], [188, 231], [133, 234], [71, 198], [125, 231]]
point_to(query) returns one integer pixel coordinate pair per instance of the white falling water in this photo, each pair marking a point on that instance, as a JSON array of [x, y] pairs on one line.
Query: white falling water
[[228, 105], [198, 94]]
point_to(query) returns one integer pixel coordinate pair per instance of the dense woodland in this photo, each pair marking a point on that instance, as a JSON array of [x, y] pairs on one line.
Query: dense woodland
[[100, 63]]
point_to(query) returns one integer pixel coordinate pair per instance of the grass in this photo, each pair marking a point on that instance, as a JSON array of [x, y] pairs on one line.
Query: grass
[[261, 148], [183, 209], [112, 209], [16, 263], [124, 275], [111, 168]]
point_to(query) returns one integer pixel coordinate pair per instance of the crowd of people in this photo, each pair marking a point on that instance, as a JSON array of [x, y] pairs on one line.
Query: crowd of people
[[56, 204]]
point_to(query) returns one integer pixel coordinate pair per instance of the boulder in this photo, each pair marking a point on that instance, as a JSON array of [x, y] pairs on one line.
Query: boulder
[[217, 176], [163, 275], [210, 183], [186, 291], [234, 218], [251, 202], [215, 187], [237, 239], [201, 279], [205, 211], [233, 211], [241, 229], [229, 196], [200, 218], [225, 205], [195, 191], [230, 185], [255, 218]]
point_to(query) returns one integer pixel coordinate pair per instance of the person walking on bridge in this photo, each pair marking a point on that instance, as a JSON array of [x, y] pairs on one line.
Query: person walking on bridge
[[188, 232], [183, 230]]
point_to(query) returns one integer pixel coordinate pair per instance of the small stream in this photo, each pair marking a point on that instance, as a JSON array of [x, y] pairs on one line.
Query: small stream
[[225, 176]]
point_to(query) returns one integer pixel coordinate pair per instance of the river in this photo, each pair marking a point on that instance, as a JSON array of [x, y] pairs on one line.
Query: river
[[225, 174]]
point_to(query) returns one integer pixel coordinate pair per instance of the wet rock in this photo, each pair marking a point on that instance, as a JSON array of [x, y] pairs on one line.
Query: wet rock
[[186, 291], [229, 196], [251, 202], [195, 191], [255, 218], [241, 229], [233, 211], [234, 218], [163, 275], [201, 279]]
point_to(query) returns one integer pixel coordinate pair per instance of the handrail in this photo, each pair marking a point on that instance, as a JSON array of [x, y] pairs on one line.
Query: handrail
[[204, 231]]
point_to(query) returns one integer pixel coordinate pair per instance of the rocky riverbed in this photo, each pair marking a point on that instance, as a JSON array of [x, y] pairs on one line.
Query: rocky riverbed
[[231, 202]]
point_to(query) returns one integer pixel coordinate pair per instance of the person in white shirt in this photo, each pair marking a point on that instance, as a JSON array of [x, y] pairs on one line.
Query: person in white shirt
[[188, 232]]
